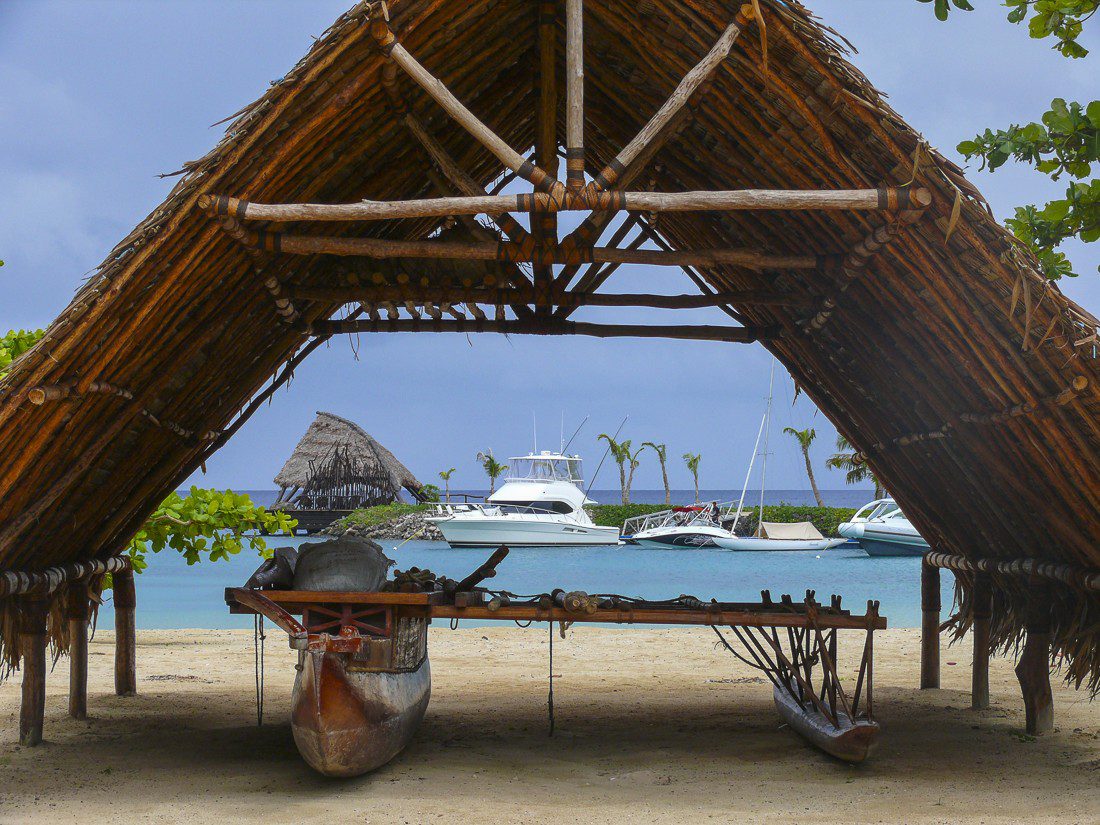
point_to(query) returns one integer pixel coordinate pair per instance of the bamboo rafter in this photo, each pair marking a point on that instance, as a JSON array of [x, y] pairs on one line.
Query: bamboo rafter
[[516, 253], [548, 326], [41, 583], [1082, 578], [57, 392], [1060, 399], [571, 298]]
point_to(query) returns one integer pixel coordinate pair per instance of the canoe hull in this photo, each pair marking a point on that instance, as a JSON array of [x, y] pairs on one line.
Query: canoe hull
[[346, 723], [852, 742]]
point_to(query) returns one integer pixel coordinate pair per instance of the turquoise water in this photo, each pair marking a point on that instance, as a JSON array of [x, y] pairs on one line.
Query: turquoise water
[[173, 595]]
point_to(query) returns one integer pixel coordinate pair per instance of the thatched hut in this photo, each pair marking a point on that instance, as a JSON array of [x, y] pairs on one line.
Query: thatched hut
[[914, 321], [338, 465]]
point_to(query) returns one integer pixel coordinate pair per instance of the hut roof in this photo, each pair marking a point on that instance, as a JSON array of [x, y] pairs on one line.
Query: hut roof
[[325, 434], [970, 383]]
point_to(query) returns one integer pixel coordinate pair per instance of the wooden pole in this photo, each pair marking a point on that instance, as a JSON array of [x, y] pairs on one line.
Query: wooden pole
[[1033, 668], [571, 299], [32, 645], [544, 226], [125, 601], [930, 626], [695, 78], [77, 613], [518, 253], [435, 88], [883, 199], [983, 604], [574, 94], [547, 326]]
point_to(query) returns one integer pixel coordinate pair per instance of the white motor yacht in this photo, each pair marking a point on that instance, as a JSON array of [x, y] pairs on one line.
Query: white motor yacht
[[883, 530], [541, 504]]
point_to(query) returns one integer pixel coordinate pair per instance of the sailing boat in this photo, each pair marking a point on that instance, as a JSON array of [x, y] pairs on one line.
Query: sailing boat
[[801, 535]]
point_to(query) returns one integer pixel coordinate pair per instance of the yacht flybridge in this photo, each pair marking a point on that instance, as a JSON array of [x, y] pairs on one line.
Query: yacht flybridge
[[540, 505]]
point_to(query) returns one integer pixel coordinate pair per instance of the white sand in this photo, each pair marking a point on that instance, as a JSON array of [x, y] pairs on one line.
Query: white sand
[[653, 726]]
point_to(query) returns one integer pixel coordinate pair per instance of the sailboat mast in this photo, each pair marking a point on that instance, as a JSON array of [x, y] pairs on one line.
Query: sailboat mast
[[764, 463]]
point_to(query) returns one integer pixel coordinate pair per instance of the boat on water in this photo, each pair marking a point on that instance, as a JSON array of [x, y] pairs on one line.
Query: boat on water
[[882, 529], [681, 527], [770, 536], [541, 504]]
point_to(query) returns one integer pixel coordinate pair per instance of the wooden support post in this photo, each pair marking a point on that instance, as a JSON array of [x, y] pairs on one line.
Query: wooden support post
[[76, 614], [574, 94], [930, 626], [32, 645], [983, 603], [125, 601], [1033, 668], [544, 226]]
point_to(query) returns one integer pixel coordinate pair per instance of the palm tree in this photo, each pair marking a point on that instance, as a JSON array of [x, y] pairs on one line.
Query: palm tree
[[692, 461], [446, 476], [805, 439], [854, 472], [620, 451], [662, 456], [493, 468]]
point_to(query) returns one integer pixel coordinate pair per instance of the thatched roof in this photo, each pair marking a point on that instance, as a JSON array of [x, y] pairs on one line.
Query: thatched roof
[[325, 434], [970, 383]]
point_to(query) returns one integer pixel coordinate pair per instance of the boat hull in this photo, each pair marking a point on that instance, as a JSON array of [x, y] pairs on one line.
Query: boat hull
[[346, 723], [877, 542], [753, 544], [850, 742], [493, 532]]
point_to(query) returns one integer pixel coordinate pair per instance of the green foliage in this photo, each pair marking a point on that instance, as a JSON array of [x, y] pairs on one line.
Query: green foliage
[[845, 459], [429, 493], [1061, 19], [493, 468], [370, 516], [211, 522], [15, 343], [613, 515], [1066, 142], [621, 452], [804, 437]]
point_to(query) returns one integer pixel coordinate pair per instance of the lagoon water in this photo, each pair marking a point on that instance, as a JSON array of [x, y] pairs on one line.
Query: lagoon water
[[173, 595]]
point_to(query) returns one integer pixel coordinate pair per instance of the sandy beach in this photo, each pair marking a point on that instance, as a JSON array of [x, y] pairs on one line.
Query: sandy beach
[[652, 726]]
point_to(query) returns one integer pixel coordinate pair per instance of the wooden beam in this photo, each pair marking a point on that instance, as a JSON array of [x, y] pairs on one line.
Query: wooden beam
[[517, 253], [125, 603], [702, 71], [32, 644], [982, 594], [574, 94], [544, 226], [884, 199], [1033, 667], [572, 298], [930, 626], [548, 327], [435, 88], [76, 614]]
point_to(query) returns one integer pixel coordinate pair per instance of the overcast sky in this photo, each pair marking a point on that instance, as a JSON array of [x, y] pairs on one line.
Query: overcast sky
[[99, 97]]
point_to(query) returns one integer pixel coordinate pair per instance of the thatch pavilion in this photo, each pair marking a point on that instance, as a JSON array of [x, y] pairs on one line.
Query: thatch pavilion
[[337, 465], [827, 229]]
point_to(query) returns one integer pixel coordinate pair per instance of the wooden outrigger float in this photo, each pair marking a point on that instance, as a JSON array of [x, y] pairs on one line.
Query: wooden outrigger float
[[364, 681]]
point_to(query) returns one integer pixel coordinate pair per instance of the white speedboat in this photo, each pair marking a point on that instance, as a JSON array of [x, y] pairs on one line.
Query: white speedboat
[[799, 535], [883, 530], [684, 527], [540, 505]]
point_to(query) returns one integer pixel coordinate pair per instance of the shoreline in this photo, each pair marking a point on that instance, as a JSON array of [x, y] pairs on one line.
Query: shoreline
[[652, 725]]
